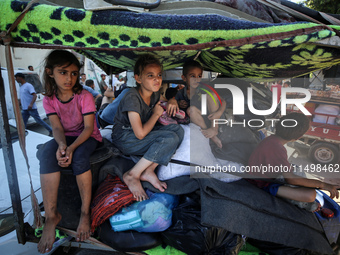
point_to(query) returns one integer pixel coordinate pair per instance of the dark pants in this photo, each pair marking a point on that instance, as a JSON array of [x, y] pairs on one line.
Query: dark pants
[[80, 158], [34, 113]]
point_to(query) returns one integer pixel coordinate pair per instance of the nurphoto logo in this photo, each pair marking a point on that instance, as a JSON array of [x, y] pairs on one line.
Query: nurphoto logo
[[238, 104]]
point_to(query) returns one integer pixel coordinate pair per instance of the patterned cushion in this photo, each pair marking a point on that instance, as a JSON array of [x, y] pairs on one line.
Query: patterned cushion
[[111, 195]]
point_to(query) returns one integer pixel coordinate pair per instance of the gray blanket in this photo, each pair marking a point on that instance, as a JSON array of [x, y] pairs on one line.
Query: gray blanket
[[242, 208]]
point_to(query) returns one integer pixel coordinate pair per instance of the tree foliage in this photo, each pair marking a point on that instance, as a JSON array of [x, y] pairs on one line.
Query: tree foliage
[[327, 6]]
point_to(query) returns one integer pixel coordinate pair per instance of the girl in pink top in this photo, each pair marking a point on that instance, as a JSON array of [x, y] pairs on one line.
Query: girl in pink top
[[71, 111]]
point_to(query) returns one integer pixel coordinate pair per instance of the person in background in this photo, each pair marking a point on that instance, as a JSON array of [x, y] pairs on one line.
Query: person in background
[[102, 84], [71, 111], [115, 79], [82, 79], [278, 86], [28, 97], [271, 152], [30, 68], [108, 109], [88, 86], [119, 90], [286, 84], [96, 95], [90, 83]]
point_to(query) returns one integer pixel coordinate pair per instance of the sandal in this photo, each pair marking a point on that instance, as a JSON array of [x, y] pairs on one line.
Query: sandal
[[165, 119], [180, 114]]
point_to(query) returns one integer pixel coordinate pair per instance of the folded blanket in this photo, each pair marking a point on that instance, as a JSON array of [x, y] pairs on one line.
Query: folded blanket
[[242, 208], [195, 149]]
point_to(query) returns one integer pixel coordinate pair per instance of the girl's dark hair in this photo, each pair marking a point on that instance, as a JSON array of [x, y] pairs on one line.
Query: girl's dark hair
[[59, 58], [143, 61], [190, 64], [285, 126]]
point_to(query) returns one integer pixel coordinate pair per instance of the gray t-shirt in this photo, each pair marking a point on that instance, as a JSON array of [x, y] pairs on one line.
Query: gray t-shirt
[[133, 102]]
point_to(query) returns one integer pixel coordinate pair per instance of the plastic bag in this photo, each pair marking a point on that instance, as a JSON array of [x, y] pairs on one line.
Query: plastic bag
[[152, 215], [127, 241], [188, 235], [330, 225], [278, 249]]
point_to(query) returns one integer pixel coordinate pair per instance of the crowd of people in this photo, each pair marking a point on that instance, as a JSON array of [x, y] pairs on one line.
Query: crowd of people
[[134, 113]]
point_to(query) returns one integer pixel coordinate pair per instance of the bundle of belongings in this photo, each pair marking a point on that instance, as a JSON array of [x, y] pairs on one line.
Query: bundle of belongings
[[216, 217], [201, 213]]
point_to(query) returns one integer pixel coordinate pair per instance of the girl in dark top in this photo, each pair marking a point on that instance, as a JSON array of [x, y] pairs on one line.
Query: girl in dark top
[[135, 131]]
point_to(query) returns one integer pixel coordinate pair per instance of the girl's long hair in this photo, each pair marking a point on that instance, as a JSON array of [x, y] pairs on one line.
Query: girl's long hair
[[59, 58]]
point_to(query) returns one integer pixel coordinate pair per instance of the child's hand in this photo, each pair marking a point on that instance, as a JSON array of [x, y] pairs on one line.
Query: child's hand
[[172, 107], [69, 154], [67, 159], [333, 190], [183, 104], [61, 151], [158, 109], [61, 155]]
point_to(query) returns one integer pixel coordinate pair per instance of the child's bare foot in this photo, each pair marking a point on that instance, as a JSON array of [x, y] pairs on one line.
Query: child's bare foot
[[150, 176], [209, 132], [217, 141], [134, 186], [48, 236], [83, 230]]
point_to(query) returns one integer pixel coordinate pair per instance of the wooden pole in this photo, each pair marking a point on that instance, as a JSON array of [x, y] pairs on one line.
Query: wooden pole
[[8, 152]]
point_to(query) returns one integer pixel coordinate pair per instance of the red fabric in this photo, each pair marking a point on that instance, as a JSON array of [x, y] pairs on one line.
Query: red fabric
[[111, 195], [270, 152]]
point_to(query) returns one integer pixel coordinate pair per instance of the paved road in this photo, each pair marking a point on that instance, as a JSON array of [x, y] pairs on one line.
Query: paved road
[[39, 129]]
